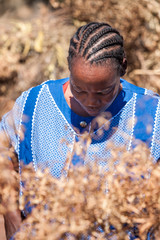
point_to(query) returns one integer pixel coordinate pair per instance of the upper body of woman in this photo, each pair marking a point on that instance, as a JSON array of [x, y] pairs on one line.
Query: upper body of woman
[[64, 109]]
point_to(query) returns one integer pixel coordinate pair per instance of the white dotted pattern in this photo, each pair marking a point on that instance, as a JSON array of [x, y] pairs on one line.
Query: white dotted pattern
[[121, 136], [49, 128], [155, 146]]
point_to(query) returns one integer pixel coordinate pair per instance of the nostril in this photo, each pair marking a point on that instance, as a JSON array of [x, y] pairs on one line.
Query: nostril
[[92, 101]]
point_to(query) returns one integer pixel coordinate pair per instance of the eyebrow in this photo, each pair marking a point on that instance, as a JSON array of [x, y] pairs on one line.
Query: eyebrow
[[75, 85]]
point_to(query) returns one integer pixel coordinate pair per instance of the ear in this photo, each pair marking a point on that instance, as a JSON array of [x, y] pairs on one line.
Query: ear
[[123, 67]]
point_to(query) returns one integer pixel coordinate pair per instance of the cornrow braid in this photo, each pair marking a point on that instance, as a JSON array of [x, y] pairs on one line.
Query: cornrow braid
[[76, 38], [112, 54], [83, 28], [87, 33], [113, 41], [96, 43], [103, 33]]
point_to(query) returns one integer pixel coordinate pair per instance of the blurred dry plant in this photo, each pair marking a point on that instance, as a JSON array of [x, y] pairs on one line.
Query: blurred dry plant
[[6, 105], [33, 50], [9, 182], [9, 166], [90, 200], [9, 187]]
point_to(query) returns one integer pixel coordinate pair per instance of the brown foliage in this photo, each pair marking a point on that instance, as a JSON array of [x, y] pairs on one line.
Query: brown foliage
[[6, 105], [9, 183], [34, 41], [125, 196], [32, 50], [86, 198]]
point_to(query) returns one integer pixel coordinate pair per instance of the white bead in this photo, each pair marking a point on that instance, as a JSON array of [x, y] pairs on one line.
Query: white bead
[[83, 124]]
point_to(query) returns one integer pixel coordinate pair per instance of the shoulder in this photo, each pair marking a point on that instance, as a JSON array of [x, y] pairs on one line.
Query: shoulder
[[33, 92], [48, 83], [147, 102], [55, 82], [138, 90]]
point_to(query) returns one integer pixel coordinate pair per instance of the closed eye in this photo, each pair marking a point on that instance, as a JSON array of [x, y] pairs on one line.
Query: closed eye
[[80, 91], [105, 92]]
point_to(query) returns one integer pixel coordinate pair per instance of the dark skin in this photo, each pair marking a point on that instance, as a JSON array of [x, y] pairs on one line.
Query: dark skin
[[92, 88]]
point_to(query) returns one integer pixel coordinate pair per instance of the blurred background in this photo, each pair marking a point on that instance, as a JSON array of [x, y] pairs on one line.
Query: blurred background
[[34, 39]]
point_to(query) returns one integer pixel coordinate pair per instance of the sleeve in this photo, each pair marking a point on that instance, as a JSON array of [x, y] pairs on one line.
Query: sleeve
[[10, 125]]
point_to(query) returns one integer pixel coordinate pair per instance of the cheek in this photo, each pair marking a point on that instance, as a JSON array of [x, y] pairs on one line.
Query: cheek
[[78, 96], [74, 93], [109, 97]]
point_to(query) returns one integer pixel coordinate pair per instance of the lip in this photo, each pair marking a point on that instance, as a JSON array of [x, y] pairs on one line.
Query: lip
[[93, 110]]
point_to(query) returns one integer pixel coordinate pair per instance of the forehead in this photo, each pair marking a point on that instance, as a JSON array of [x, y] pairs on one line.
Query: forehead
[[84, 72]]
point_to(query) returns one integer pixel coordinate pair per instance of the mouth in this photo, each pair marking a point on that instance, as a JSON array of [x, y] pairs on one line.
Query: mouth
[[93, 110]]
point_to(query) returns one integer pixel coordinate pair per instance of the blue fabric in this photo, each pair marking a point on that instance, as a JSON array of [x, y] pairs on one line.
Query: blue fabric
[[25, 148], [56, 89], [145, 107], [144, 112]]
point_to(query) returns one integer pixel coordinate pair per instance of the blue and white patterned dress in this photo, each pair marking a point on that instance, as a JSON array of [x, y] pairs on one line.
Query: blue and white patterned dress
[[135, 116]]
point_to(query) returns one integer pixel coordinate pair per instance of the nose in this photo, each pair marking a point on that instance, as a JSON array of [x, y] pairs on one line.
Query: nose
[[92, 100]]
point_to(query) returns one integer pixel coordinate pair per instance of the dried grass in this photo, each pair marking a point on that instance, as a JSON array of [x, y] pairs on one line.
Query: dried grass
[[128, 194], [90, 200], [6, 105], [35, 49], [9, 183]]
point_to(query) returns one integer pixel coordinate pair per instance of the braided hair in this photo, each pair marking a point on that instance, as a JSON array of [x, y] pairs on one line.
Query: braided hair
[[96, 43]]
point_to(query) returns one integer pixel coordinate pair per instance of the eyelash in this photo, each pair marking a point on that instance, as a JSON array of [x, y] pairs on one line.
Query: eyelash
[[100, 93], [80, 91], [108, 91], [104, 93]]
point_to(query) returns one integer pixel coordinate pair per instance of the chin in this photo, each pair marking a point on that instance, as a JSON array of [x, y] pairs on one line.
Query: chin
[[93, 113]]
